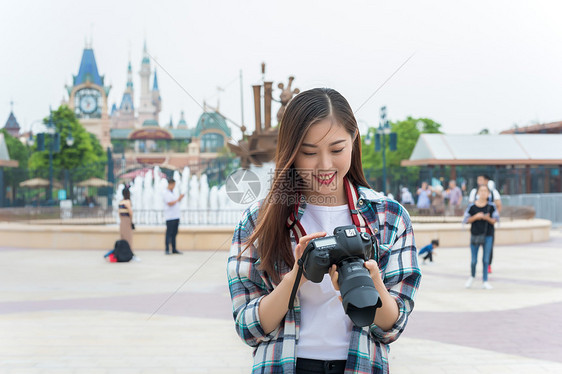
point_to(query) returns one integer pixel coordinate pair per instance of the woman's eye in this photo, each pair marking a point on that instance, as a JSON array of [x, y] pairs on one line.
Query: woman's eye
[[308, 153], [337, 150]]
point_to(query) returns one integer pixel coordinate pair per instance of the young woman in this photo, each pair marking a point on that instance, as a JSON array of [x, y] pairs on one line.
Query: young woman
[[318, 185], [126, 217], [482, 215], [424, 193]]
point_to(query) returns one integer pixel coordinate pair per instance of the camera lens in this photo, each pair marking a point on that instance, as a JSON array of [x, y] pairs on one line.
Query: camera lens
[[360, 298]]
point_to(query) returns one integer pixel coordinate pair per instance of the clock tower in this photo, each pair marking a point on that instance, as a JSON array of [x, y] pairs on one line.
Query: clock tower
[[88, 98]]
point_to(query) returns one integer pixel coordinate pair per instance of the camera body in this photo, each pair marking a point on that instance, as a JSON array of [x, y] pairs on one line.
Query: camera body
[[345, 245], [348, 249]]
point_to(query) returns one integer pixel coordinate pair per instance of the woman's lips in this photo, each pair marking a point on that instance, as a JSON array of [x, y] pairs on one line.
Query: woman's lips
[[325, 181]]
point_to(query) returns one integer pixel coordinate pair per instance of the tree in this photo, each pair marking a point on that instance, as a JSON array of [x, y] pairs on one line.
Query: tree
[[85, 150], [408, 132], [20, 153], [85, 158]]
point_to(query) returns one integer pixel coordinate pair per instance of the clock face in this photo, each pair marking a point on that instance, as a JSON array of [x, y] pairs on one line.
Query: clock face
[[88, 104]]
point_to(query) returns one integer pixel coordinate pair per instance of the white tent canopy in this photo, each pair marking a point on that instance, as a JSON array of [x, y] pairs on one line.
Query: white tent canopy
[[516, 149]]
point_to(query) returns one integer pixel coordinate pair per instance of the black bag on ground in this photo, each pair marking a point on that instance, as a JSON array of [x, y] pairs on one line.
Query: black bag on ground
[[122, 251]]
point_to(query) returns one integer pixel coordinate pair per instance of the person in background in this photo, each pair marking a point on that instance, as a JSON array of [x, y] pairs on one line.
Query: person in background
[[438, 201], [406, 197], [172, 214], [454, 195], [424, 192], [493, 197], [482, 215], [126, 217], [428, 250]]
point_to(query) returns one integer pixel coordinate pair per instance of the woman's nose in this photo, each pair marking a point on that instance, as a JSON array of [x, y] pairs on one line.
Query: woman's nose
[[325, 162]]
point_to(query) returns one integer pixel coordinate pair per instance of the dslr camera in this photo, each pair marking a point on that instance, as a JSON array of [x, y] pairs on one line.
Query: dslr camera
[[348, 250]]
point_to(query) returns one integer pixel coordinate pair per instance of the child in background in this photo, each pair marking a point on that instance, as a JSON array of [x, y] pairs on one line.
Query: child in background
[[428, 250]]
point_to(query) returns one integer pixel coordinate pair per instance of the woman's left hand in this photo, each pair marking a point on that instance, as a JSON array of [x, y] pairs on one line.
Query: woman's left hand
[[374, 271]]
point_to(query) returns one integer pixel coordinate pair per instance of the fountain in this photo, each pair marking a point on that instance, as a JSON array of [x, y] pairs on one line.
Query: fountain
[[202, 205]]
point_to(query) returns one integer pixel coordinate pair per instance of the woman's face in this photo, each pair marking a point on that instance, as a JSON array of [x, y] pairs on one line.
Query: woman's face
[[483, 193], [323, 160]]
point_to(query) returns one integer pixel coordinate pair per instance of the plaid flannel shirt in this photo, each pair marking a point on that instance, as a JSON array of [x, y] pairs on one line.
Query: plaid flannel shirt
[[368, 349]]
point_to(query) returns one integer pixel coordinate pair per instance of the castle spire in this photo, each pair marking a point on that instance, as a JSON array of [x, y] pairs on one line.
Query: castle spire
[[129, 78], [88, 71], [155, 83], [182, 124], [145, 57]]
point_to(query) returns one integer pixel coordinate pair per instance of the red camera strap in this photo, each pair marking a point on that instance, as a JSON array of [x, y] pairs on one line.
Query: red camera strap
[[358, 220]]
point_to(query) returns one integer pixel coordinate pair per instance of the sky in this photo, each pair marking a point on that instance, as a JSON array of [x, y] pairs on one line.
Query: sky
[[468, 65]]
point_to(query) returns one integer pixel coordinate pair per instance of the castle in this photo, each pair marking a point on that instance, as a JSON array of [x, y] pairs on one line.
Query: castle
[[134, 128]]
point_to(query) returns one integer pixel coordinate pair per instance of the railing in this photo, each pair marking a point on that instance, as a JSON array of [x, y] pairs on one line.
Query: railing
[[190, 217], [53, 215], [547, 206], [79, 215]]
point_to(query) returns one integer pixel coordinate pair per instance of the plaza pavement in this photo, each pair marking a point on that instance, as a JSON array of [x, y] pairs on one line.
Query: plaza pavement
[[64, 311]]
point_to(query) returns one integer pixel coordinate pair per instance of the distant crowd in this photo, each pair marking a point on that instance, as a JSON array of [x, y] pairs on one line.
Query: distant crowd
[[436, 200]]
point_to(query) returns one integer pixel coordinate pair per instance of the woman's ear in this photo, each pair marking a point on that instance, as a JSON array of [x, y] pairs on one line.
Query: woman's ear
[[355, 135]]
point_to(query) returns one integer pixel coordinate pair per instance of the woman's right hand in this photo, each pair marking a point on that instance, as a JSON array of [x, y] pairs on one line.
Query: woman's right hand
[[299, 250], [273, 307]]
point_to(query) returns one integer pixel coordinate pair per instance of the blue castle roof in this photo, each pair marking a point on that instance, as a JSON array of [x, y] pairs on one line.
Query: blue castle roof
[[88, 69], [155, 85], [127, 101]]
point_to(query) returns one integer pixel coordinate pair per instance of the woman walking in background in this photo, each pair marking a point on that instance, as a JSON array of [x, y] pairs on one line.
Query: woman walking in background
[[126, 217], [424, 193], [482, 215]]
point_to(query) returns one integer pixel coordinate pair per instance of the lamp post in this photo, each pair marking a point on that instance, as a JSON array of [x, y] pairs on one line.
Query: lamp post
[[110, 176], [54, 147], [380, 138]]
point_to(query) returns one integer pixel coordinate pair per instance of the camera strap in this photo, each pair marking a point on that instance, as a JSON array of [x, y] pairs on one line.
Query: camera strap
[[295, 226], [300, 262], [296, 284]]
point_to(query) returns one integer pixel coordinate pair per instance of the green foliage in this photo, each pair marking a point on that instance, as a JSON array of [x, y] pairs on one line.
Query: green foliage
[[16, 149], [19, 152], [86, 149], [408, 132]]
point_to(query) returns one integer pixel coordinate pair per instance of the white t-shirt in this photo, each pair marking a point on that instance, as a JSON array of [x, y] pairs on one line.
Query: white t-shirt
[[171, 212], [325, 329]]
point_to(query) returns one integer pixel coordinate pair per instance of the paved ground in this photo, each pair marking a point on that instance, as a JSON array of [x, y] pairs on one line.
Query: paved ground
[[67, 311]]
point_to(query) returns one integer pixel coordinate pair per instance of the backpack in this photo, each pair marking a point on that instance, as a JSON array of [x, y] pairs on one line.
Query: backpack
[[122, 251]]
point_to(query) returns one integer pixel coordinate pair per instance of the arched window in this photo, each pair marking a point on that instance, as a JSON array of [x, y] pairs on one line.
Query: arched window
[[211, 142]]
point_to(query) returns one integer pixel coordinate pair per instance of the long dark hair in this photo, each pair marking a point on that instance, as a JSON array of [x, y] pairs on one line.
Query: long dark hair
[[305, 110], [126, 194]]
